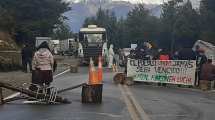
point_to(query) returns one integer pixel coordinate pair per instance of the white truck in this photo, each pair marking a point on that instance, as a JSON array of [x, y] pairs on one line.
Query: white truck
[[92, 44]]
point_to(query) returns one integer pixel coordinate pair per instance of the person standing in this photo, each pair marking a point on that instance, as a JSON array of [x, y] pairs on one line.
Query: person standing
[[116, 59], [42, 65], [164, 55], [200, 60], [27, 54], [111, 56], [207, 74]]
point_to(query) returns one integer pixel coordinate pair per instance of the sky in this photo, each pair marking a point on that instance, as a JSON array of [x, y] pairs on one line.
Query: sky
[[144, 1], [137, 1]]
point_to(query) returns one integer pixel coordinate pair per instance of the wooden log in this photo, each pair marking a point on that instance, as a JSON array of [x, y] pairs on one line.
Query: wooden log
[[92, 93], [119, 78], [74, 68], [204, 85], [71, 88]]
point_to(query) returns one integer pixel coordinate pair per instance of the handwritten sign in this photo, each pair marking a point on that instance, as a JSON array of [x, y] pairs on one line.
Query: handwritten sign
[[172, 71]]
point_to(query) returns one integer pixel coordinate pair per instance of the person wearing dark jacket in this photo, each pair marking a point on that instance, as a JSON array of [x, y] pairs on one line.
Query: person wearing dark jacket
[[27, 54], [200, 60], [207, 73]]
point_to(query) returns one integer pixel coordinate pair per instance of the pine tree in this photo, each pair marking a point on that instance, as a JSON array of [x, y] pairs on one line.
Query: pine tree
[[141, 25], [207, 10], [186, 28]]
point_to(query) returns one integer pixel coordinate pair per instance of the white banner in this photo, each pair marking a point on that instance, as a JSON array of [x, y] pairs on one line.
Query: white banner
[[172, 71]]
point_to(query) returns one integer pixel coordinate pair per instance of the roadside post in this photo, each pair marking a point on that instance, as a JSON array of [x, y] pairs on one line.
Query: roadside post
[[1, 97]]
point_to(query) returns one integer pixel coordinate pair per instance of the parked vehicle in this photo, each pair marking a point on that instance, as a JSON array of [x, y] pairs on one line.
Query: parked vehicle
[[92, 43], [68, 46], [208, 47]]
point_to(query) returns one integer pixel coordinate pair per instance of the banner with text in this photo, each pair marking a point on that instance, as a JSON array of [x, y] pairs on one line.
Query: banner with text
[[172, 71]]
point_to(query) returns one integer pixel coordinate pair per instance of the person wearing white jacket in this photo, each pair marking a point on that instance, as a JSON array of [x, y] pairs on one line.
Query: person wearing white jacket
[[111, 56]]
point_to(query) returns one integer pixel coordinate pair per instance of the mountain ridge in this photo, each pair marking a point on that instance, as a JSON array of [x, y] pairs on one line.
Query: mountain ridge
[[81, 10], [88, 8]]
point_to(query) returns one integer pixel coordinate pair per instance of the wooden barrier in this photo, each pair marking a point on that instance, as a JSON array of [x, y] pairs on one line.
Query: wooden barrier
[[30, 93]]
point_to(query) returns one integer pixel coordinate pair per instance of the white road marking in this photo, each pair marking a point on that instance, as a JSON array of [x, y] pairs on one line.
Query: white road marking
[[18, 93], [100, 113], [61, 73], [135, 110]]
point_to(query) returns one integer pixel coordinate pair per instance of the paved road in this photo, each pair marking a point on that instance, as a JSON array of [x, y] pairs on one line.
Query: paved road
[[119, 103], [112, 108], [162, 103]]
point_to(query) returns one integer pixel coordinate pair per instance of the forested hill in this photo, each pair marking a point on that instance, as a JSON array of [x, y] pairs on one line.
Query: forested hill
[[87, 8], [81, 10]]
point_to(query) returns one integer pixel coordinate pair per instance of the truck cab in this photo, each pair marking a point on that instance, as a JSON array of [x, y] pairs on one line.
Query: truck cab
[[92, 44]]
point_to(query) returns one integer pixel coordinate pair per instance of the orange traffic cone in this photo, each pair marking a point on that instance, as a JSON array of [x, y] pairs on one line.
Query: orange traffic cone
[[100, 71], [93, 78]]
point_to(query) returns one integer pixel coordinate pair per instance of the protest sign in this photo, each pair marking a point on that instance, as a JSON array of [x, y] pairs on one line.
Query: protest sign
[[171, 71]]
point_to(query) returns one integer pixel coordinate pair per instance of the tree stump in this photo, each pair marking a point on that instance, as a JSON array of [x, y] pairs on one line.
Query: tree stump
[[204, 85], [119, 78], [92, 93], [74, 68]]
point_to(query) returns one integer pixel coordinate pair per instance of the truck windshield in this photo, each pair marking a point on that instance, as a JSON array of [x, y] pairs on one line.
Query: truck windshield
[[93, 38]]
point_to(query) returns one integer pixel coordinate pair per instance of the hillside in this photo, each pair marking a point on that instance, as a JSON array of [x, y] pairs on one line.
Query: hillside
[[82, 10]]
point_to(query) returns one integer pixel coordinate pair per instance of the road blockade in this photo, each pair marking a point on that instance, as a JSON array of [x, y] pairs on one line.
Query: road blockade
[[171, 71], [92, 92]]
